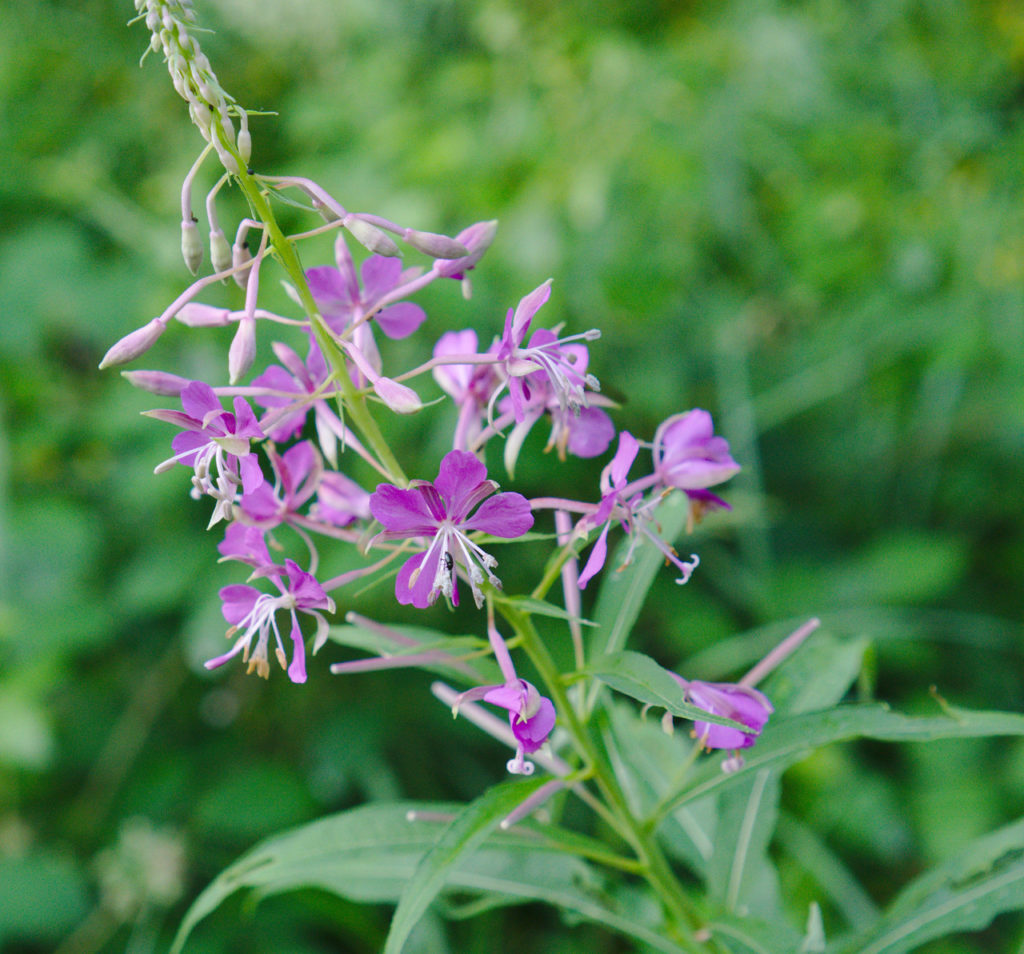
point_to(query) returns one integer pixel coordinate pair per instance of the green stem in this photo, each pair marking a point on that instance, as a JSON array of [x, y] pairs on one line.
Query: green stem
[[651, 862], [354, 402]]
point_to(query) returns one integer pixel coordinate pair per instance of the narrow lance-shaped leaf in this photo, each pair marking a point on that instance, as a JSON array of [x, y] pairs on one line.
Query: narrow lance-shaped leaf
[[640, 677], [785, 741], [465, 833], [963, 894]]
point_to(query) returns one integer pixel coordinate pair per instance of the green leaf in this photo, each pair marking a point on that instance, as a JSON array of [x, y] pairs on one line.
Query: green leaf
[[741, 877], [465, 833], [785, 741], [422, 640], [530, 605], [963, 894], [640, 677], [370, 853]]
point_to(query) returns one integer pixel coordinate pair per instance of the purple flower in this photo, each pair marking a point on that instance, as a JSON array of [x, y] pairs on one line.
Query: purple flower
[[547, 358], [255, 612], [214, 441], [531, 716], [298, 473], [342, 302], [445, 512], [740, 703], [688, 455], [340, 500]]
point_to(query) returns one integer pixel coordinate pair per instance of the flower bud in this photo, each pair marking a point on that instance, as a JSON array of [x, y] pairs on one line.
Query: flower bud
[[197, 315], [157, 382], [191, 245], [434, 245], [370, 237], [220, 251], [477, 239], [242, 352], [398, 397], [240, 255], [133, 345]]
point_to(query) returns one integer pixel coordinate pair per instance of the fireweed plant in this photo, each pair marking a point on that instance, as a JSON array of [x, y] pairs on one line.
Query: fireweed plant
[[675, 852]]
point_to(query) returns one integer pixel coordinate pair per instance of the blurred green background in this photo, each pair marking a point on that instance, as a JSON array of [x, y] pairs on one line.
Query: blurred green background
[[805, 217]]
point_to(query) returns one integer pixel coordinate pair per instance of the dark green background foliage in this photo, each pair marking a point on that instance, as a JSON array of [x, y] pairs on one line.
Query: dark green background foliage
[[805, 217]]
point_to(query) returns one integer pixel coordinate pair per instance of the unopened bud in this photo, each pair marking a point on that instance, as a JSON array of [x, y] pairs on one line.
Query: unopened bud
[[477, 239], [196, 315], [157, 382], [191, 245], [133, 345], [242, 352], [434, 245], [244, 141], [370, 237], [326, 212], [240, 255], [220, 251], [397, 396], [227, 160]]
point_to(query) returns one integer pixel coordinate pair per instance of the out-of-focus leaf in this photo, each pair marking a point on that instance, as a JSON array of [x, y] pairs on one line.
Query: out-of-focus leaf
[[963, 894], [26, 738], [42, 896], [370, 853]]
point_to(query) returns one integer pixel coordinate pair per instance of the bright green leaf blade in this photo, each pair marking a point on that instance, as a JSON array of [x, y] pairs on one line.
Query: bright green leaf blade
[[786, 741], [963, 894], [468, 831], [639, 676], [530, 605]]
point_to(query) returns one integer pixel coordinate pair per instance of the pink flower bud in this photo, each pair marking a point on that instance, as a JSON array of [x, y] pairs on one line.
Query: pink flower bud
[[156, 382], [397, 396], [191, 245], [197, 315], [370, 237], [220, 251], [240, 255], [133, 345], [434, 245], [242, 352]]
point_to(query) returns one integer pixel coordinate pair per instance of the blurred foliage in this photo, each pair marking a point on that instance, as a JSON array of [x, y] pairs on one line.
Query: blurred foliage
[[805, 217]]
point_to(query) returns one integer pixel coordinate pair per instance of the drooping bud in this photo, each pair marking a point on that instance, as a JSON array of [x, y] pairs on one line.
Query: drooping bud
[[244, 141], [242, 352], [476, 239], [398, 397], [435, 245], [240, 255], [133, 345], [220, 251], [370, 237], [157, 382], [191, 245]]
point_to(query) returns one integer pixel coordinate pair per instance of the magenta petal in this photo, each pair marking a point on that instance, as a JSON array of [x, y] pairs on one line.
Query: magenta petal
[[505, 515], [401, 320], [534, 732], [402, 511], [252, 476], [246, 424], [198, 399], [595, 561], [590, 433], [261, 504], [460, 474], [188, 441], [740, 703], [275, 378], [418, 591], [297, 670], [624, 457], [380, 273], [330, 291], [237, 602]]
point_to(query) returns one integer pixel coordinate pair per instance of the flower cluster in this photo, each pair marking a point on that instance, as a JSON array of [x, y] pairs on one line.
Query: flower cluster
[[301, 457]]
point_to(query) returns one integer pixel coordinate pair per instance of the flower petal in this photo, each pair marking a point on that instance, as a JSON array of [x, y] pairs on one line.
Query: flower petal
[[401, 320], [403, 511], [505, 515], [459, 476]]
